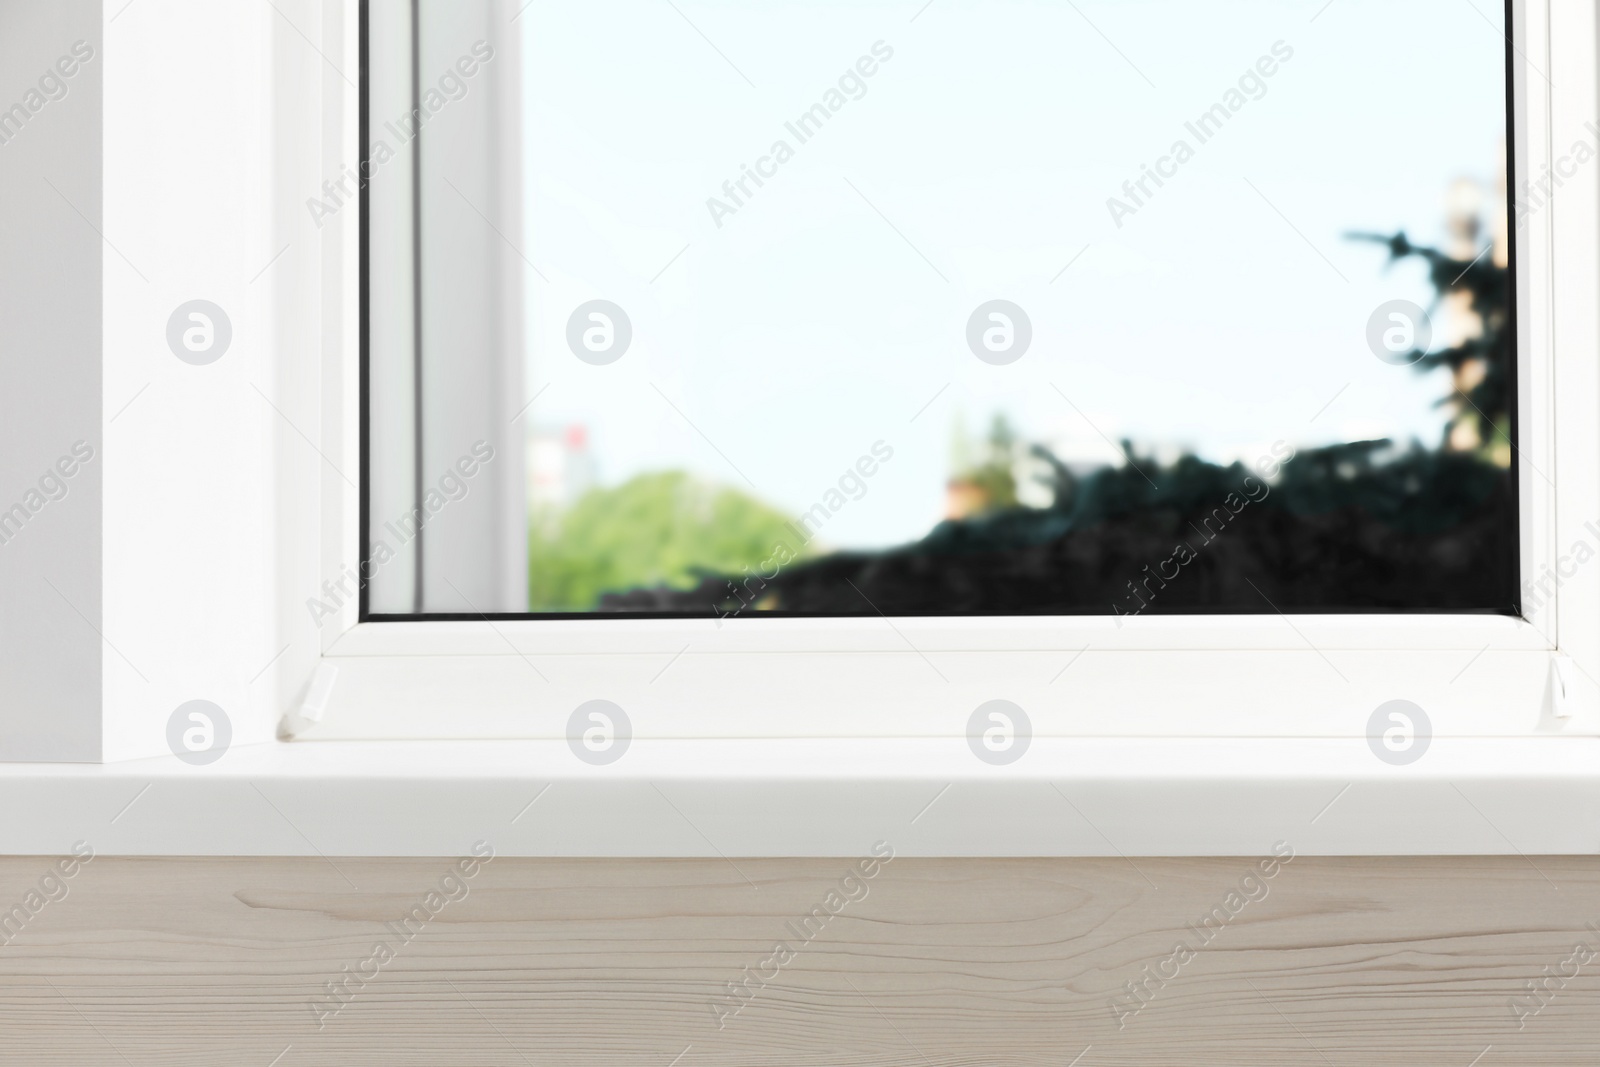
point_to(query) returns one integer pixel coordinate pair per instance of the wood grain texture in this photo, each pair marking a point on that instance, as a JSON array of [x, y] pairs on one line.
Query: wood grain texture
[[942, 962]]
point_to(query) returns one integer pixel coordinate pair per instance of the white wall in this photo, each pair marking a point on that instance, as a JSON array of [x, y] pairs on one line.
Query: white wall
[[50, 387]]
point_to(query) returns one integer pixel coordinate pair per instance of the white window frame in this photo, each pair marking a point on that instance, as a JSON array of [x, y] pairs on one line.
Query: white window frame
[[1196, 676]]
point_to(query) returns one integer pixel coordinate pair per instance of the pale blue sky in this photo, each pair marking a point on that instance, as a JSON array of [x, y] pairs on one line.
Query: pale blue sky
[[806, 328]]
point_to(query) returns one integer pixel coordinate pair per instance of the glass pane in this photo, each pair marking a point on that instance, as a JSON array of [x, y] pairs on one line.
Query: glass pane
[[1010, 307]]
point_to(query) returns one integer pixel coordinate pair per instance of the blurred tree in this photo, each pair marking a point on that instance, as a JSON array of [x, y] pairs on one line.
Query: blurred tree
[[656, 530]]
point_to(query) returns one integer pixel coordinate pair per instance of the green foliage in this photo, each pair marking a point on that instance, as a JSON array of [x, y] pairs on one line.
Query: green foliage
[[663, 529]]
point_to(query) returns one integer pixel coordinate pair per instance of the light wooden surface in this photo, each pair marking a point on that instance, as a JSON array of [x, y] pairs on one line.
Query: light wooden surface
[[943, 962]]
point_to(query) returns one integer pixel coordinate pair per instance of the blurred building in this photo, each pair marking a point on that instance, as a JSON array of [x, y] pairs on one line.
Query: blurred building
[[560, 468], [1005, 470], [1477, 228]]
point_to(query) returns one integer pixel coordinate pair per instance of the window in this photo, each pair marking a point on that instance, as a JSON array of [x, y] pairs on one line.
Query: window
[[1327, 344], [227, 529]]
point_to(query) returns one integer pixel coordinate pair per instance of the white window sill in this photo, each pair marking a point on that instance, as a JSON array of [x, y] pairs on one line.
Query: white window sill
[[1081, 797]]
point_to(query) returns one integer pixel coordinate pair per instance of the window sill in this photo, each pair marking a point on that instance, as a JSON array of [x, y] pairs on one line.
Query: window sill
[[1080, 797]]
